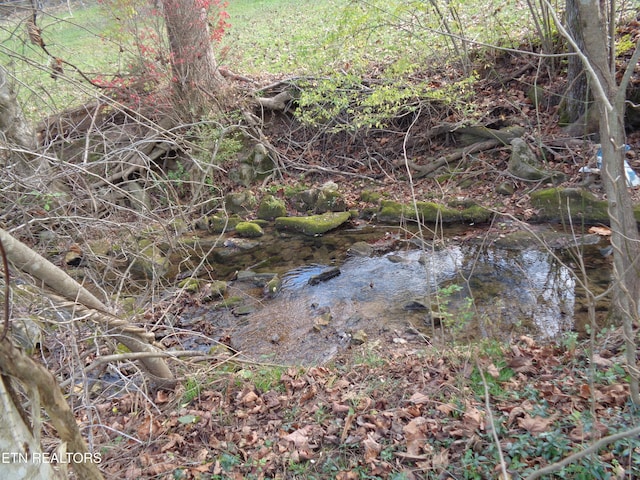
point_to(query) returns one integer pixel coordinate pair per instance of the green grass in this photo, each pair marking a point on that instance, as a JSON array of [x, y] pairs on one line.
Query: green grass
[[77, 38], [277, 36], [266, 36]]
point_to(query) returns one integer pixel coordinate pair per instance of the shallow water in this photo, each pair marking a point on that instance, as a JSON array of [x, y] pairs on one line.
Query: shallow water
[[470, 289]]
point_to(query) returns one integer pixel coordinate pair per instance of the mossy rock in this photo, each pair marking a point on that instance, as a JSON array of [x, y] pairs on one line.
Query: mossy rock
[[150, 263], [430, 212], [271, 207], [560, 204], [370, 196], [240, 202], [213, 290], [221, 223], [230, 302], [471, 212], [330, 200], [314, 224], [393, 212], [249, 230], [191, 285]]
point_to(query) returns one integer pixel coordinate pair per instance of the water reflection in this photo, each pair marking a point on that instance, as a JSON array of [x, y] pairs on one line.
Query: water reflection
[[529, 290], [505, 290]]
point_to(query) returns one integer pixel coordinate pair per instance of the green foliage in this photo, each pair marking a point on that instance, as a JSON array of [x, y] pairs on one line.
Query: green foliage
[[494, 385], [214, 144], [265, 379], [47, 200], [458, 320], [345, 103], [625, 44], [192, 389]]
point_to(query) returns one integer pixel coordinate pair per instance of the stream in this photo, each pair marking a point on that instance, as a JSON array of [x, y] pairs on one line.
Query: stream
[[465, 286]]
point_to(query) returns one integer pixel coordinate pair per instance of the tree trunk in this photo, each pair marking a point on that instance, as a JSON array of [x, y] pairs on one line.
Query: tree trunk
[[196, 79], [21, 165], [17, 134], [610, 99], [577, 95]]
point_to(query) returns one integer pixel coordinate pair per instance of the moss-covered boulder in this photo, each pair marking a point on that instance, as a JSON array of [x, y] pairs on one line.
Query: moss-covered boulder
[[150, 263], [240, 202], [249, 230], [221, 223], [271, 207], [330, 199], [213, 291], [314, 224], [191, 285], [370, 196], [562, 204], [430, 212]]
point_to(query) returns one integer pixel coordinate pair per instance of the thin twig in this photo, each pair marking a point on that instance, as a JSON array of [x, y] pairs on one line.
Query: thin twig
[[593, 448], [494, 434], [5, 267]]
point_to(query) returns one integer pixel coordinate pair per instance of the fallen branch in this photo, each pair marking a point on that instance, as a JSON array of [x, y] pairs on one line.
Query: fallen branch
[[15, 363], [433, 165], [277, 103], [75, 296], [492, 139], [593, 448]]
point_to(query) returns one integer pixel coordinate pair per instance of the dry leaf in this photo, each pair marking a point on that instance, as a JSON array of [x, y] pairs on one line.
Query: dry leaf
[[536, 424], [473, 418], [440, 460], [414, 434], [528, 340], [300, 437], [615, 394], [601, 361], [521, 365], [446, 408], [339, 408], [585, 391], [371, 449], [249, 398], [493, 371], [162, 396], [419, 398], [347, 476]]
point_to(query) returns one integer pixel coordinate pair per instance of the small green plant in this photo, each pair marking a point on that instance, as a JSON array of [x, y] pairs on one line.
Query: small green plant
[[494, 384], [228, 461], [369, 358], [454, 321], [215, 145], [321, 414], [264, 379], [570, 341], [191, 390], [47, 200]]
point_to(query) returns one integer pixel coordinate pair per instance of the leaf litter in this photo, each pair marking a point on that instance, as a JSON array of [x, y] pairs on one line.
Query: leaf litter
[[383, 410]]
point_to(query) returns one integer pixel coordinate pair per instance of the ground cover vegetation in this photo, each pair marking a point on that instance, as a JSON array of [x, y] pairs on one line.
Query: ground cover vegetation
[[376, 100]]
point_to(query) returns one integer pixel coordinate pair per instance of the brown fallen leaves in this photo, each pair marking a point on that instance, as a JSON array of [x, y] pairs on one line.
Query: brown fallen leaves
[[414, 412]]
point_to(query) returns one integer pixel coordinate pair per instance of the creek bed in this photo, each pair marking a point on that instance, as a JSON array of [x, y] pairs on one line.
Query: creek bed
[[467, 285]]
